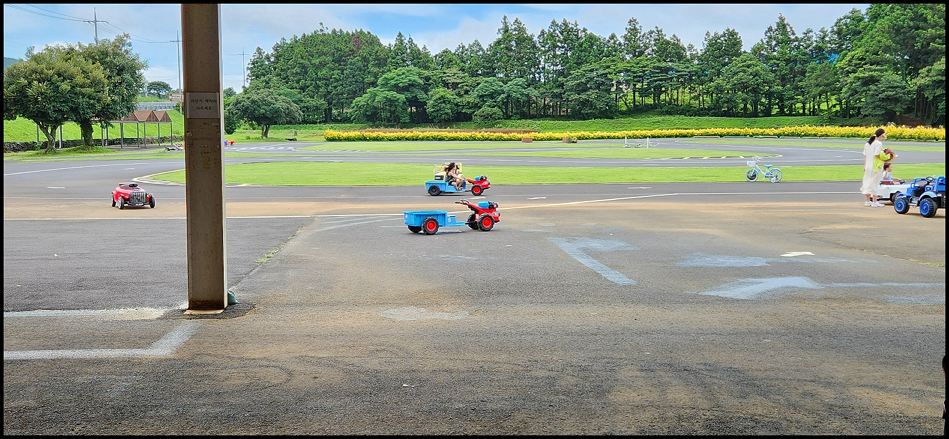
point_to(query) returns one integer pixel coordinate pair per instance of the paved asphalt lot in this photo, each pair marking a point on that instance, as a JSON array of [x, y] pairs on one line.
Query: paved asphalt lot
[[733, 308]]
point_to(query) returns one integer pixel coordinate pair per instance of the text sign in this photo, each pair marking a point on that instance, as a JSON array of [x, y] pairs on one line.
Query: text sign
[[203, 106]]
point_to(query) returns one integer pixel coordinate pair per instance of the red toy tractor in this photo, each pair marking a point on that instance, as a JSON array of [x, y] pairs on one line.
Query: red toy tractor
[[483, 216]]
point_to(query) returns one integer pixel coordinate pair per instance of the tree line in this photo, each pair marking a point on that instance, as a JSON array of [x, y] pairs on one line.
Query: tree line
[[875, 65]]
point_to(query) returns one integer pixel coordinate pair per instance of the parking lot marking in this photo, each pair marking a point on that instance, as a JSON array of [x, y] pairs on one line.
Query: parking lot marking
[[129, 313], [757, 288], [768, 287], [416, 313], [166, 345], [793, 254], [575, 246], [706, 260]]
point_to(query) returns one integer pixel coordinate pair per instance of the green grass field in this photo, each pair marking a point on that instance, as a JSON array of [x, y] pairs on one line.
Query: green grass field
[[396, 174], [400, 174]]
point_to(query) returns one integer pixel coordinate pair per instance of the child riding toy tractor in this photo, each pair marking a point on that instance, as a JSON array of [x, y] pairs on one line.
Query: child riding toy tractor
[[441, 184]]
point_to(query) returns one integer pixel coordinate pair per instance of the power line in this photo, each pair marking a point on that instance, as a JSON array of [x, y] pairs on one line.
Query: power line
[[136, 38], [56, 15], [106, 26], [45, 15], [115, 30]]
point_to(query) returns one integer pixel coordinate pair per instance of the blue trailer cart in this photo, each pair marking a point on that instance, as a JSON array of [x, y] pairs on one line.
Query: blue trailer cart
[[484, 215], [429, 221]]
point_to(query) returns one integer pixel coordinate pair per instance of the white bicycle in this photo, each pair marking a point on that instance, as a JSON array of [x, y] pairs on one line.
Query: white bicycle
[[769, 171]]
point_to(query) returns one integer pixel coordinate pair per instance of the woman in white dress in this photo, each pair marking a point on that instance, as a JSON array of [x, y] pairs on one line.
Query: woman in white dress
[[871, 177]]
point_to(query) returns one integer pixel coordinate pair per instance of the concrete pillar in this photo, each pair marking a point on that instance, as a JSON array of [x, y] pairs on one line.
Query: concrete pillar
[[203, 108]]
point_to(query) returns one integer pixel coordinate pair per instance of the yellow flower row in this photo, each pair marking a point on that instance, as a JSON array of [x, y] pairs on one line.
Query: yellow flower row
[[892, 133]]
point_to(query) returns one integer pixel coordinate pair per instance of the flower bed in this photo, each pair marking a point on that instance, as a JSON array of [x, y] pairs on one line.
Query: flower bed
[[437, 130], [892, 133]]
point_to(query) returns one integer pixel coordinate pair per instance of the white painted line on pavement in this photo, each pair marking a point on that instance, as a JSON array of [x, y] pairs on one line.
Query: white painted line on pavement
[[140, 313], [167, 345], [70, 167]]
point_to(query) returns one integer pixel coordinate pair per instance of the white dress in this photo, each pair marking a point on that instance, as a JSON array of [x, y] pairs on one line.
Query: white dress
[[871, 178]]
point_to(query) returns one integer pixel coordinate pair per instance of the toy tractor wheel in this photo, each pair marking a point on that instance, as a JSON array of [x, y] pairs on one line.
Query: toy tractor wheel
[[751, 175], [901, 205], [430, 225], [434, 190], [486, 223], [415, 229], [476, 190], [121, 203], [472, 221], [927, 207]]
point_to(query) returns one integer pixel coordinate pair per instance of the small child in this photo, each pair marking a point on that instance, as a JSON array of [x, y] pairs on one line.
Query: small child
[[888, 175]]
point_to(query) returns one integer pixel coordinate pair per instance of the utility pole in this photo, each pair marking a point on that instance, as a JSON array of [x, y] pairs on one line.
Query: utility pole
[[95, 22], [178, 46], [244, 66]]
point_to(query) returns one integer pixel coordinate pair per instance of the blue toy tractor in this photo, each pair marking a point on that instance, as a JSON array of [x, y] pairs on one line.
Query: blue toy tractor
[[929, 193], [441, 185]]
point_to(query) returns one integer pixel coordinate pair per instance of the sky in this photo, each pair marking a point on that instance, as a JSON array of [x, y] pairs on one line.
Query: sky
[[156, 28]]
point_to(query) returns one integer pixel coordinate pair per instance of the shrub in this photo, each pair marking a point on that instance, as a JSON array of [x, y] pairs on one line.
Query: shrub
[[487, 116]]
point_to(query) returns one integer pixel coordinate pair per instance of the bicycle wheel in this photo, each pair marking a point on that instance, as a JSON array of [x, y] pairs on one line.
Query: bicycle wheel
[[776, 175], [751, 175]]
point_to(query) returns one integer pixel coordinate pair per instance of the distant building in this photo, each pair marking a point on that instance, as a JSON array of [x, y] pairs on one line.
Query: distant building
[[156, 106]]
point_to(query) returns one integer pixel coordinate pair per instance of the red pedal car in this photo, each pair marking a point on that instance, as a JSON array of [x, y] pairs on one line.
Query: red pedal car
[[131, 194]]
